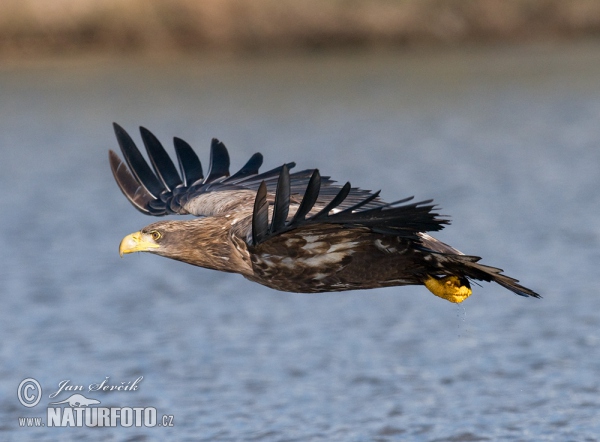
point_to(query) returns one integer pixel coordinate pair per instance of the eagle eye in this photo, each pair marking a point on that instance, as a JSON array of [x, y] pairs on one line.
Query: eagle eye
[[156, 235]]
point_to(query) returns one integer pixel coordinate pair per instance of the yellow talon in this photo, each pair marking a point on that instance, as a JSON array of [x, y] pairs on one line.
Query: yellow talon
[[450, 288]]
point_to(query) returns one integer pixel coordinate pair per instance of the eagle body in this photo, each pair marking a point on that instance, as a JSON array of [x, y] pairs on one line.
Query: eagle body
[[333, 259], [327, 259], [294, 232]]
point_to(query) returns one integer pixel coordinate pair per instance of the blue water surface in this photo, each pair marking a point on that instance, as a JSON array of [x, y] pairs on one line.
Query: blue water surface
[[507, 142]]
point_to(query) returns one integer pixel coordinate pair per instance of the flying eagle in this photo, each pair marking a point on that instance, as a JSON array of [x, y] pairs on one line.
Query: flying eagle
[[296, 232]]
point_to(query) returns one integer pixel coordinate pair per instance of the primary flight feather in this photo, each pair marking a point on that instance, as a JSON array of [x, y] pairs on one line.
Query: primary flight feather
[[296, 232]]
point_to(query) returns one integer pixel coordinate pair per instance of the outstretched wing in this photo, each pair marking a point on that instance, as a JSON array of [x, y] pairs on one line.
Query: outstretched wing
[[397, 218], [157, 188]]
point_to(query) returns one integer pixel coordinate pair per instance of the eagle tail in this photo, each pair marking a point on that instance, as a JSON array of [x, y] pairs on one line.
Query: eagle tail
[[482, 272]]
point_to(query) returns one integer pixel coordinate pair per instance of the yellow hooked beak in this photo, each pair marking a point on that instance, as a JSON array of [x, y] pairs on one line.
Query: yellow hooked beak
[[136, 242]]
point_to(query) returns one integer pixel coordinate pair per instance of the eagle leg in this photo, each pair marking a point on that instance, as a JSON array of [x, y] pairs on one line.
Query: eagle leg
[[452, 288]]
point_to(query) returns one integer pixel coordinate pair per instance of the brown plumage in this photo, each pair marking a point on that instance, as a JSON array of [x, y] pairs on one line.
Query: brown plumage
[[296, 232]]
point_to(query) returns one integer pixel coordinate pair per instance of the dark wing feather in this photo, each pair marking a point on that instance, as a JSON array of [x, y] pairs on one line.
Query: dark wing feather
[[397, 218], [219, 161], [156, 188], [161, 162], [260, 215], [310, 198], [189, 164], [282, 200], [393, 219], [138, 166], [250, 168], [136, 194], [361, 203], [336, 201]]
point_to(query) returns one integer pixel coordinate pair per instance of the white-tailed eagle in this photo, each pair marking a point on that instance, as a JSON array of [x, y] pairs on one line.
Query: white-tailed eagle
[[296, 232]]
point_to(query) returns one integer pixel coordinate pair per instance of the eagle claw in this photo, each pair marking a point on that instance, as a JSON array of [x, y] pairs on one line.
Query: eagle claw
[[451, 288]]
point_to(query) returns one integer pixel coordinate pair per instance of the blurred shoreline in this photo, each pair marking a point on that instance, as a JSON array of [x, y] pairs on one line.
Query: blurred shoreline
[[33, 28]]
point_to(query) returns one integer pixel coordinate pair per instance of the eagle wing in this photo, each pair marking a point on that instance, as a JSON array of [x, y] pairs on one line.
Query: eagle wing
[[159, 189], [399, 218]]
